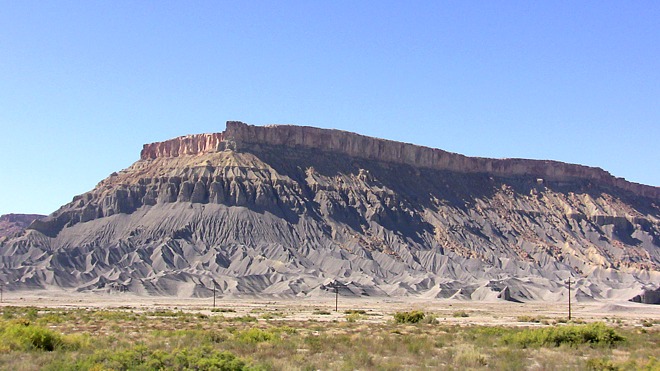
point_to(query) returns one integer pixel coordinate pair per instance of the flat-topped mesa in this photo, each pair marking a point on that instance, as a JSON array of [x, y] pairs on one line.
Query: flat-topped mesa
[[361, 146], [244, 137], [186, 145]]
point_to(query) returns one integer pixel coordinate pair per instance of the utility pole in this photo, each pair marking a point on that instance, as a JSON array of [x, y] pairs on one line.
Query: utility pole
[[2, 289], [213, 293], [336, 286], [569, 298]]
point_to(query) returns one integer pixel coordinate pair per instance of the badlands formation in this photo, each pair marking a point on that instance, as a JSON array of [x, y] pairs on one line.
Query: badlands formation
[[286, 211]]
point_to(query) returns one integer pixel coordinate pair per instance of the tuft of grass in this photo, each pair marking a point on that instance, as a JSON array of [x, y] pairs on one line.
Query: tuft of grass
[[284, 329], [272, 315], [168, 313], [470, 358], [245, 318], [460, 313], [267, 316], [532, 319], [315, 343], [358, 360], [429, 319]]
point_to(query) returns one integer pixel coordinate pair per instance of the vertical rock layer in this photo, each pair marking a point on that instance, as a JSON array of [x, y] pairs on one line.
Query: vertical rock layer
[[188, 145]]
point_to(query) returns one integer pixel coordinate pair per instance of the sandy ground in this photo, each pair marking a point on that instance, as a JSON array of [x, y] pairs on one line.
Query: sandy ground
[[323, 308]]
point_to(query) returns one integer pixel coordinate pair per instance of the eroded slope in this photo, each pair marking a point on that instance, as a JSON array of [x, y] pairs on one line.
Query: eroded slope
[[285, 220]]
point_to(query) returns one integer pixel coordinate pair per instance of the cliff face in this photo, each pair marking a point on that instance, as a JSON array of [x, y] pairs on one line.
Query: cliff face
[[183, 146], [282, 209], [240, 136]]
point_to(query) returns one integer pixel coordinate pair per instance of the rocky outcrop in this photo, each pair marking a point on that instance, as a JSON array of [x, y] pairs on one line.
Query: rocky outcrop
[[188, 145], [650, 296], [285, 210], [240, 136], [11, 224]]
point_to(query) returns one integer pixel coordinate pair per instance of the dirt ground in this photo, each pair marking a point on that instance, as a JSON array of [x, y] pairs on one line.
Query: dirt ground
[[323, 308]]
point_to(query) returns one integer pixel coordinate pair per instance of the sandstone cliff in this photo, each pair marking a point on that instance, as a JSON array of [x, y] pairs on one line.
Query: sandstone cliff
[[281, 210], [241, 136], [183, 146]]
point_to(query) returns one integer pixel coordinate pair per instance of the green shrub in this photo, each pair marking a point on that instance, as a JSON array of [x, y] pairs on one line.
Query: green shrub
[[9, 312], [21, 336], [315, 343], [223, 310], [414, 316], [142, 358], [353, 317], [647, 323], [460, 313], [355, 311], [255, 335], [594, 334], [32, 314], [599, 364], [537, 319], [284, 329]]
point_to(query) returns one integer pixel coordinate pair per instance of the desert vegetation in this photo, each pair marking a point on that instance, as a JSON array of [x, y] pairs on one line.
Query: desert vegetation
[[200, 339]]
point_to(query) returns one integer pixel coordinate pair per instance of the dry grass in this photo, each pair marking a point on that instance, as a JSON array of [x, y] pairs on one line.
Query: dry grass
[[200, 339]]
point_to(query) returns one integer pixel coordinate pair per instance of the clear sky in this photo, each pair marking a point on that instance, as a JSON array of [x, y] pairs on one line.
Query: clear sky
[[84, 84]]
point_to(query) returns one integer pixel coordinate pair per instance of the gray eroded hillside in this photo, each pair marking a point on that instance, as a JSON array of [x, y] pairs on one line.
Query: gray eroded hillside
[[267, 214]]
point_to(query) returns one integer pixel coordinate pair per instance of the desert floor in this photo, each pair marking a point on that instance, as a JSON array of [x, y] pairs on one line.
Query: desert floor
[[323, 308]]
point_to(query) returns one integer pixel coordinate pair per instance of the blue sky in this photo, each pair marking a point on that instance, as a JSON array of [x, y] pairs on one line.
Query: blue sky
[[84, 84]]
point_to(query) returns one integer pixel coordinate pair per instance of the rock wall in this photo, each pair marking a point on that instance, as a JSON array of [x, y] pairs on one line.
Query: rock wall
[[241, 136], [186, 145]]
